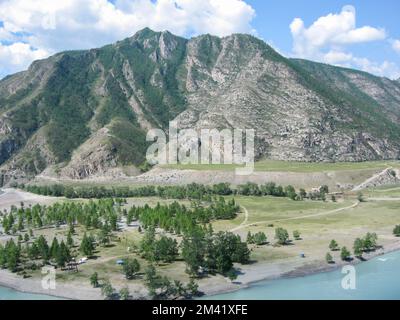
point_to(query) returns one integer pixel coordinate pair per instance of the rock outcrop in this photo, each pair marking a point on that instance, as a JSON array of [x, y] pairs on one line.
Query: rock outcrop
[[86, 113]]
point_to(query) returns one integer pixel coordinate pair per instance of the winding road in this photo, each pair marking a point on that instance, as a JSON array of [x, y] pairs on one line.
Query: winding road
[[244, 225], [246, 218]]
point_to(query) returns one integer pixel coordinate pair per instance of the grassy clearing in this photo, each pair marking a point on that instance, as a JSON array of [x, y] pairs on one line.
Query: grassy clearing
[[392, 191], [316, 232], [293, 166]]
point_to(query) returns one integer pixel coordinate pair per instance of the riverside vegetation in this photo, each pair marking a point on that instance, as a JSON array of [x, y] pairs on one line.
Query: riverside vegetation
[[156, 236], [203, 250], [85, 113], [191, 191]]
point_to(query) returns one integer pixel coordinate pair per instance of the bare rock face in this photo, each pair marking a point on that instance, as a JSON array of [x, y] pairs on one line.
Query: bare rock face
[[92, 158], [244, 84], [388, 176], [88, 112]]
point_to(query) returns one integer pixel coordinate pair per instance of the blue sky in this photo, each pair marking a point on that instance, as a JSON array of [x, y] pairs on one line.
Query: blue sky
[[274, 17], [362, 34]]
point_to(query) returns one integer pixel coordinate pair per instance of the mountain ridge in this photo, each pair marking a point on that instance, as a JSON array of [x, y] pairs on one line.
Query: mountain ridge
[[84, 113]]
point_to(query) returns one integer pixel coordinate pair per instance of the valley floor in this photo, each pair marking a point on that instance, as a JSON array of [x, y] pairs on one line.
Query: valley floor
[[319, 222]]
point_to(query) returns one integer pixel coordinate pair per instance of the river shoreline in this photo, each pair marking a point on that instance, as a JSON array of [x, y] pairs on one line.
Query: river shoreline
[[301, 270], [251, 275]]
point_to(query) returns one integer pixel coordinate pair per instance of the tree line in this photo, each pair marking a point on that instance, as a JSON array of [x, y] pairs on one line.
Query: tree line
[[92, 214], [367, 243], [190, 191], [177, 218]]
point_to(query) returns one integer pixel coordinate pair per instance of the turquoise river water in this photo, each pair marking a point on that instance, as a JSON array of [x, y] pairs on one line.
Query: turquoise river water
[[378, 278]]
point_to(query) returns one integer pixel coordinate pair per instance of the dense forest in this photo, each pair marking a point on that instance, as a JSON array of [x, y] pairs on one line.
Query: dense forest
[[190, 191]]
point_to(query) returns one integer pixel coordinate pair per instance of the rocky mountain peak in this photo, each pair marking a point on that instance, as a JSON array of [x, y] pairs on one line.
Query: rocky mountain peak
[[81, 108]]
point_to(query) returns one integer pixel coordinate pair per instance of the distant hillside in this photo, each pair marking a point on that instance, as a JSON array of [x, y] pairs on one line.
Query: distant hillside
[[84, 113]]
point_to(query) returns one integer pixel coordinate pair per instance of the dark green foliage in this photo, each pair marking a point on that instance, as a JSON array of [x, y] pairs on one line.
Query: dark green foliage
[[296, 235], [92, 214], [345, 254], [63, 255], [193, 252], [124, 294], [162, 288], [358, 247], [94, 280], [190, 191], [70, 240], [365, 112], [87, 246], [43, 248], [281, 235], [360, 197], [130, 267], [164, 249], [107, 290], [333, 245], [290, 192], [396, 231], [258, 238], [129, 141], [366, 244], [226, 248], [214, 253], [64, 105], [180, 220], [87, 90], [115, 106], [10, 255], [329, 258]]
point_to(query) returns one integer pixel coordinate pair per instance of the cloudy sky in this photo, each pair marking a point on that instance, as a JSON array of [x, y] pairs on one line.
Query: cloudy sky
[[362, 34]]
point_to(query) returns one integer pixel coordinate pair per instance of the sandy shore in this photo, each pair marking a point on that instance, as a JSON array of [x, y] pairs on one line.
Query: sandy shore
[[289, 268], [9, 197], [66, 291], [249, 274]]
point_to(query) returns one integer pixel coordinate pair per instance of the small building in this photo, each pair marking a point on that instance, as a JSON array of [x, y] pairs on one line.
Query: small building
[[336, 194], [82, 260]]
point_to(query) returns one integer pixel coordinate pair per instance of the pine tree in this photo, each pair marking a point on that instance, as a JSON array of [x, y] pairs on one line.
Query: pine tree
[[333, 245], [70, 240], [63, 255], [54, 249], [124, 294], [43, 248], [87, 247], [345, 254], [94, 280], [328, 258]]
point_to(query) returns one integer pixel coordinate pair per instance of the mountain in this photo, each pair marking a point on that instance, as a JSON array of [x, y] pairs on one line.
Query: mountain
[[84, 113]]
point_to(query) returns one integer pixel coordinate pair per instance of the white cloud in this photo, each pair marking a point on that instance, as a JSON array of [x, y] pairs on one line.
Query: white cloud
[[18, 55], [326, 39], [396, 46], [331, 30], [58, 25], [337, 57], [384, 69]]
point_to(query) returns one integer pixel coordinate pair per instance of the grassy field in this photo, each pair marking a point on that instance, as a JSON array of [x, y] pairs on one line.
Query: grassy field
[[392, 191], [293, 166], [318, 222]]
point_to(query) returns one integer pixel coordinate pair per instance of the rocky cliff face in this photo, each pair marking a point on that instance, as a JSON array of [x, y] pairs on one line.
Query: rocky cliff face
[[88, 111]]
